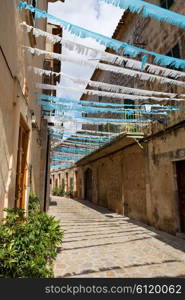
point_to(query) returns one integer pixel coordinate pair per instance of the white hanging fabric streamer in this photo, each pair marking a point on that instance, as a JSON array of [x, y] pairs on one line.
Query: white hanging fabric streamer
[[105, 56], [104, 94], [107, 86], [139, 75], [106, 67], [107, 41], [93, 132], [59, 118], [42, 72], [118, 88]]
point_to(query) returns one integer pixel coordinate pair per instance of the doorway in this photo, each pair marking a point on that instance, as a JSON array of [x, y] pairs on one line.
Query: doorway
[[20, 190], [180, 167], [88, 184], [76, 184]]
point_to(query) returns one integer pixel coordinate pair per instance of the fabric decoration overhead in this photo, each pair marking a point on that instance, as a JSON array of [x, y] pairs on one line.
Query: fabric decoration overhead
[[102, 120], [71, 158], [69, 101], [93, 110], [79, 137], [106, 86], [82, 135], [61, 166], [79, 151], [149, 10], [104, 40], [105, 56], [118, 88], [105, 94], [106, 67], [77, 155]]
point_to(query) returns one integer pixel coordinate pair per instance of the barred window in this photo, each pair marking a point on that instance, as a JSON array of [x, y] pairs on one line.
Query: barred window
[[166, 3], [175, 51]]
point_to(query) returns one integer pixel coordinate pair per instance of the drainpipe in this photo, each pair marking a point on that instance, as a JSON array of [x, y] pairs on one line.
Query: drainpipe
[[46, 176]]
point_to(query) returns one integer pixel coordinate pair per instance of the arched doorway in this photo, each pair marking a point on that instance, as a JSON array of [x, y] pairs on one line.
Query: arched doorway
[[88, 184]]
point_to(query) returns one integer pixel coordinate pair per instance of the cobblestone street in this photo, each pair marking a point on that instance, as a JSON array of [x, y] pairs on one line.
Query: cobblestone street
[[99, 243]]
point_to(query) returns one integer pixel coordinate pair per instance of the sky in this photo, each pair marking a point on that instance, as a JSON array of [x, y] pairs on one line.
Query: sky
[[94, 15]]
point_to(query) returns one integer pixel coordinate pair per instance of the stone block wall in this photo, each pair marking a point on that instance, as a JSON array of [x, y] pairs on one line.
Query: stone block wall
[[17, 101]]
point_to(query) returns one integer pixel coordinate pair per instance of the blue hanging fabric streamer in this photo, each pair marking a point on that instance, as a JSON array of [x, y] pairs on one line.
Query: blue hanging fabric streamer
[[101, 120], [69, 101], [73, 150], [84, 137], [64, 153], [101, 140], [56, 134], [105, 137], [62, 157], [85, 143], [150, 10], [92, 110], [80, 135], [61, 166], [86, 140], [80, 108], [112, 43], [144, 61]]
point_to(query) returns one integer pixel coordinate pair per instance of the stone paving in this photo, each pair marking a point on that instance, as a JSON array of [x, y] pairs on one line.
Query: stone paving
[[99, 243]]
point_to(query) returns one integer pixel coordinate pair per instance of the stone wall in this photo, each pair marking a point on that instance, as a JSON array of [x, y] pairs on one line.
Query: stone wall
[[17, 101], [163, 153], [139, 180], [61, 179]]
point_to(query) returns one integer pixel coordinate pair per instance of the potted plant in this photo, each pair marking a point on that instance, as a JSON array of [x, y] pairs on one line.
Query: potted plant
[[28, 243], [69, 194], [60, 191], [55, 191]]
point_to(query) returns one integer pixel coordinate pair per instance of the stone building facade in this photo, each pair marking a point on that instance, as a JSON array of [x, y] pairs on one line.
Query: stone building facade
[[143, 178], [68, 180], [24, 132]]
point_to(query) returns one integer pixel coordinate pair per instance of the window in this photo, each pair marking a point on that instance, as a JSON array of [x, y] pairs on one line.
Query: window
[[34, 4], [130, 104], [175, 51], [166, 3]]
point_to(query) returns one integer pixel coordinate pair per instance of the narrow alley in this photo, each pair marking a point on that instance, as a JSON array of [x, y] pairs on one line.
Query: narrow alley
[[98, 243], [92, 119]]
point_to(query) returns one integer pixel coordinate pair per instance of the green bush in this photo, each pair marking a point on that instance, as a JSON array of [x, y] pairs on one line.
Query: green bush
[[69, 193], [28, 244], [33, 197], [61, 191], [55, 191], [33, 202], [58, 191]]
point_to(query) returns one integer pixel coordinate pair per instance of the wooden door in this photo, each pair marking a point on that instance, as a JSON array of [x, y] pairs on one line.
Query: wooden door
[[180, 167], [88, 184], [21, 167]]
